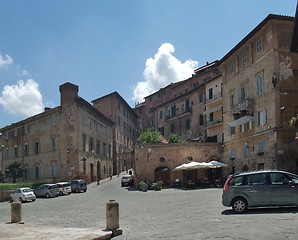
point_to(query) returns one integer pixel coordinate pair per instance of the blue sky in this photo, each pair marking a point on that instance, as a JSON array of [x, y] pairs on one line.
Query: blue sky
[[133, 47]]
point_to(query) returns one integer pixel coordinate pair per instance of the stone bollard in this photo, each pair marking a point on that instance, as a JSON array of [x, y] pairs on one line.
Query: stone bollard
[[16, 212], [112, 217]]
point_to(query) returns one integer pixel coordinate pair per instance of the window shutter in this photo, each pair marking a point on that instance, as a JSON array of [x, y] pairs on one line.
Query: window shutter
[[256, 118], [265, 116], [239, 95], [229, 130], [246, 92]]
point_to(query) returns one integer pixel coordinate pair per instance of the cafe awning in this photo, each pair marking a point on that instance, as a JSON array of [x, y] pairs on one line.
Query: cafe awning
[[213, 109], [241, 121]]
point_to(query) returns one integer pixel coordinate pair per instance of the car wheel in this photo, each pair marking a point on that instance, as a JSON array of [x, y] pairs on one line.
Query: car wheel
[[76, 190], [21, 200], [47, 195], [239, 205], [60, 193], [33, 200], [122, 185]]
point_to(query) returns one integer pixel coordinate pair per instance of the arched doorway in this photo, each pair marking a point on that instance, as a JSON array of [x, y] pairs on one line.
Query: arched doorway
[[162, 174]]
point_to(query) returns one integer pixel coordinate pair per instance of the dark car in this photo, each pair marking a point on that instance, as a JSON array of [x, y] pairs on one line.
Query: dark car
[[78, 185], [260, 189]]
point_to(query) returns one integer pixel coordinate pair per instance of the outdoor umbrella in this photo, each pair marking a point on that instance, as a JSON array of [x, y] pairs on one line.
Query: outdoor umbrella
[[188, 166]]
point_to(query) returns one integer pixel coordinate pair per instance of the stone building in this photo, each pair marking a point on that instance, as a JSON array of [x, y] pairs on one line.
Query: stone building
[[156, 162], [260, 95], [178, 107], [116, 108], [73, 140]]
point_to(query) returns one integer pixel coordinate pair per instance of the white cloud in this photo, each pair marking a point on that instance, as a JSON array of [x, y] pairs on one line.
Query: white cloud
[[5, 61], [162, 70], [23, 98], [22, 72]]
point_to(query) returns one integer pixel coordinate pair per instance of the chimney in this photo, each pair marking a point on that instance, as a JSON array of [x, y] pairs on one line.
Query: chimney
[[68, 92]]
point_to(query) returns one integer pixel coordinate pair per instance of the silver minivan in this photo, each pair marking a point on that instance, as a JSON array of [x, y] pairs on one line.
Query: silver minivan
[[260, 189]]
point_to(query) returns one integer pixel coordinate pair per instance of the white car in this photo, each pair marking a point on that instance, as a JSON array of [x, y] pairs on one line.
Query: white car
[[22, 195], [64, 188]]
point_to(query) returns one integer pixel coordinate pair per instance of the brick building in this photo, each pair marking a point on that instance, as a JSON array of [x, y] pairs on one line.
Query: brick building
[[124, 129], [73, 140], [260, 95]]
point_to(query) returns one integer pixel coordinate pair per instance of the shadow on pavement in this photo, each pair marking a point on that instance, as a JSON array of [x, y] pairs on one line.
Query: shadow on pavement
[[268, 210]]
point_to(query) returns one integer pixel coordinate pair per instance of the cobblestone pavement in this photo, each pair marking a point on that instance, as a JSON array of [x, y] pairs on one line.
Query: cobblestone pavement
[[168, 214]]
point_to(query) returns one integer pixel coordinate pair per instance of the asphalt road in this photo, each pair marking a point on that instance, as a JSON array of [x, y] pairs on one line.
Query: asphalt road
[[167, 214]]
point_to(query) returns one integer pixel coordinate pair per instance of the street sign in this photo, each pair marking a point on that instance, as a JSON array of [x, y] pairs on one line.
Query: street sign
[[129, 156]]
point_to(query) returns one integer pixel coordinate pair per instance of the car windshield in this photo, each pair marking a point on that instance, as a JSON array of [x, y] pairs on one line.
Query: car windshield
[[125, 177], [27, 190]]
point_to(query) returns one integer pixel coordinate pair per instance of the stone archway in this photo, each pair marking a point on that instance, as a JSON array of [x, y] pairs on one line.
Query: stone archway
[[162, 174]]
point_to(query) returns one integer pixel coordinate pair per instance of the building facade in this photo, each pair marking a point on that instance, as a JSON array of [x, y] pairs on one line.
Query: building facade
[[260, 95], [73, 140], [124, 129], [177, 108]]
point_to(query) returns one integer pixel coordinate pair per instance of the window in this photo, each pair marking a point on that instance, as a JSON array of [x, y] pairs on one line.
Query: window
[[201, 120], [26, 173], [231, 68], [231, 130], [53, 165], [173, 109], [260, 89], [84, 166], [246, 150], [7, 154], [244, 58], [26, 150], [250, 125], [53, 144], [256, 179], [187, 124], [260, 118], [172, 128], [242, 128], [84, 137], [278, 179], [26, 128], [231, 101], [210, 93], [16, 152], [37, 125], [16, 132], [158, 95], [211, 117], [187, 105], [110, 151], [233, 153], [261, 146], [104, 130], [84, 119], [104, 149], [37, 148], [91, 124], [259, 46], [150, 99], [160, 115], [91, 146], [98, 147], [200, 97], [37, 172]]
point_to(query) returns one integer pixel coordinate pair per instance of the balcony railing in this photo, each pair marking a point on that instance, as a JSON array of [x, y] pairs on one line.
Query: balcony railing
[[245, 105], [215, 96], [214, 122], [179, 113]]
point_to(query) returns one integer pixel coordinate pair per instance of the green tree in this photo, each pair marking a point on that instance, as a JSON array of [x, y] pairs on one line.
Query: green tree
[[14, 171], [149, 136], [174, 138]]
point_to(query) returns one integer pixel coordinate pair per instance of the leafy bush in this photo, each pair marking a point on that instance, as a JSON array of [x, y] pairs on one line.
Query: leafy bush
[[150, 136], [174, 138], [158, 185], [140, 185]]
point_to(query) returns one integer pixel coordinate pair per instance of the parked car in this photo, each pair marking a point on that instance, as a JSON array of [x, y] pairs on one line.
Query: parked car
[[22, 195], [47, 190], [127, 180], [78, 185], [64, 188], [260, 189]]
